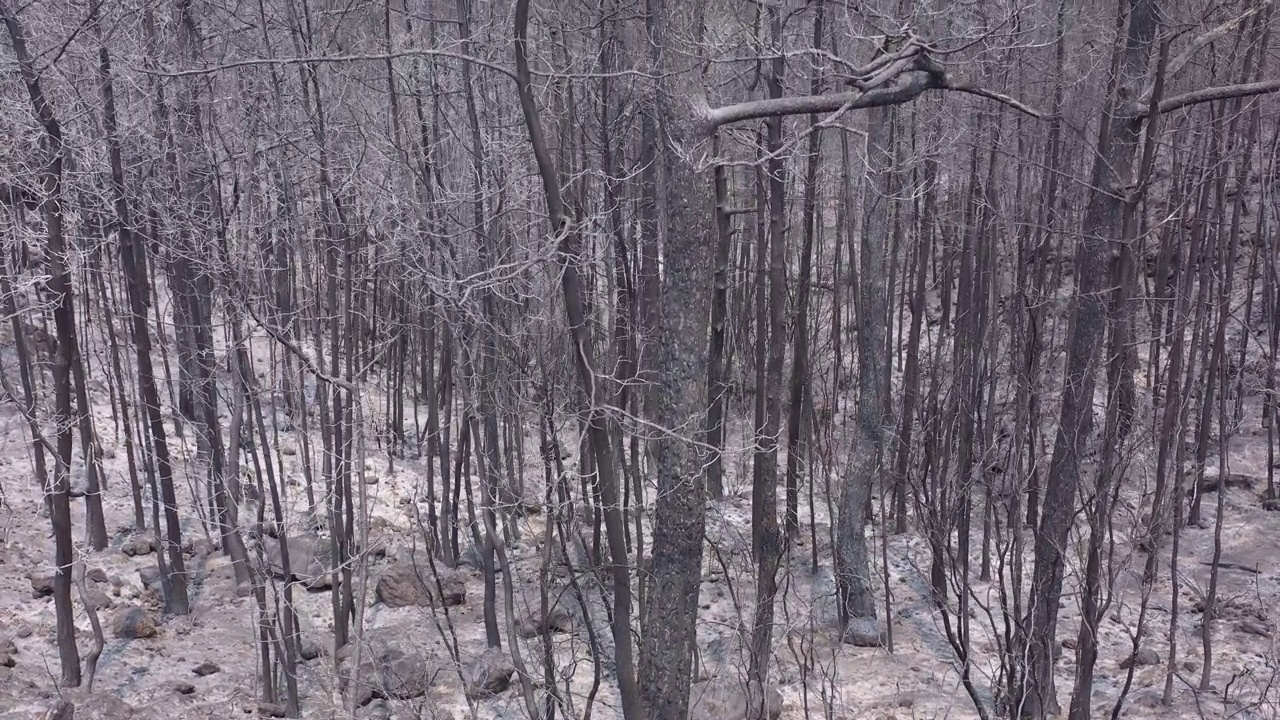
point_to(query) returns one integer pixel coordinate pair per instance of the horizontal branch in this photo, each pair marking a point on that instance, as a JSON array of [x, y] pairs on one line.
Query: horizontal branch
[[903, 89], [1214, 94]]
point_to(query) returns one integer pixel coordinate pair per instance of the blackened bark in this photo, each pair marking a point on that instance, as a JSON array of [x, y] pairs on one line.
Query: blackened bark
[[1101, 228]]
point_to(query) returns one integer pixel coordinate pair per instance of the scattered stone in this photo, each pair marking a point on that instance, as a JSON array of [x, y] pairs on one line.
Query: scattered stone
[[310, 649], [205, 669], [1070, 643], [8, 646], [23, 630], [6, 660], [138, 545], [407, 580], [182, 687], [729, 700], [1144, 656], [1189, 666], [97, 575], [42, 585], [489, 675], [271, 710], [134, 623]]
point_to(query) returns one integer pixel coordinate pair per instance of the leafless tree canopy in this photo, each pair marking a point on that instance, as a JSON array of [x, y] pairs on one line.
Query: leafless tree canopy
[[656, 360]]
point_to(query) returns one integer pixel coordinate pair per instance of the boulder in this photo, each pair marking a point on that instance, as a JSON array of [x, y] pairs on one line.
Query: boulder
[[1254, 627], [151, 580], [97, 575], [864, 632], [730, 700], [407, 580], [42, 585], [558, 619], [45, 710], [488, 674], [99, 599], [310, 649], [205, 669], [100, 706], [133, 623], [392, 665], [1144, 657], [138, 545], [6, 660], [182, 687], [310, 560]]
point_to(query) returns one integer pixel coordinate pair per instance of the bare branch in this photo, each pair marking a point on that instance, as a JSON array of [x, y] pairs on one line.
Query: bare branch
[[1214, 94], [1014, 103], [902, 89]]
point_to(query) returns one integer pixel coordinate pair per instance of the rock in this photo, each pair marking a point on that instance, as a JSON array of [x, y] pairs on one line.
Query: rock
[[1271, 504], [42, 585], [47, 710], [182, 687], [99, 599], [1234, 480], [6, 660], [391, 666], [864, 632], [271, 710], [558, 620], [205, 669], [377, 710], [1254, 627], [97, 575], [470, 557], [205, 547], [1144, 656], [138, 545], [488, 675], [730, 700], [310, 560], [8, 646], [1069, 643], [134, 622], [23, 630], [100, 706], [407, 580], [310, 649], [150, 576]]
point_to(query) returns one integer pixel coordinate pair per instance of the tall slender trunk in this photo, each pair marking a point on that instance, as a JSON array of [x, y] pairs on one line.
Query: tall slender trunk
[[1102, 226]]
